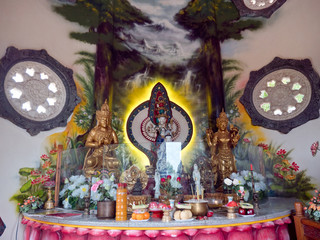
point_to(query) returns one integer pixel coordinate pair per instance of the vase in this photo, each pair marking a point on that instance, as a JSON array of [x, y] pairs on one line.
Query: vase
[[106, 209]]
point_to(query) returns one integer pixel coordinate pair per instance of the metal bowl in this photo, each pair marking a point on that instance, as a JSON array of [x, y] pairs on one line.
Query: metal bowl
[[215, 202], [199, 208]]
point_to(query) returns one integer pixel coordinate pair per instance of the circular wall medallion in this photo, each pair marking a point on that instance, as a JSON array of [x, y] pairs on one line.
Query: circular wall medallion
[[37, 93], [257, 8], [282, 95]]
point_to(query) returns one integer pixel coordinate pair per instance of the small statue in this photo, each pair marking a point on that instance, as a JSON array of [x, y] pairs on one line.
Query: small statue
[[221, 144], [137, 188], [196, 178], [100, 137], [157, 184]]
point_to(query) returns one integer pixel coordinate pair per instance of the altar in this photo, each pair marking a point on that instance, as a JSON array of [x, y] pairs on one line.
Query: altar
[[269, 222]]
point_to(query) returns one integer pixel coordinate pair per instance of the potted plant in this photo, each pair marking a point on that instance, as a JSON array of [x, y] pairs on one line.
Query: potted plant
[[104, 192], [170, 188], [31, 204]]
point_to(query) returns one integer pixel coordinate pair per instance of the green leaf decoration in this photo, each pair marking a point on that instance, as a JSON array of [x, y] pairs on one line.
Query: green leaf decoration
[[19, 197], [25, 187], [25, 171]]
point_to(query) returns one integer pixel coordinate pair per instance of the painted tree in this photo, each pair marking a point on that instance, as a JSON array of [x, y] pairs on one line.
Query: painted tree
[[105, 21], [212, 22]]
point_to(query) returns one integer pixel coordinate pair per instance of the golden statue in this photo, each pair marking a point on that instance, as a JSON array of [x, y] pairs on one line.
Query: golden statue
[[99, 139], [221, 144]]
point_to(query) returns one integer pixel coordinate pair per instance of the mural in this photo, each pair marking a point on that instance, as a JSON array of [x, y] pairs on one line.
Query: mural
[[178, 43]]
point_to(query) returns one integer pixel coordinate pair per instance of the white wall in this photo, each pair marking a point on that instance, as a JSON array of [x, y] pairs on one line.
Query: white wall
[[292, 32], [29, 24]]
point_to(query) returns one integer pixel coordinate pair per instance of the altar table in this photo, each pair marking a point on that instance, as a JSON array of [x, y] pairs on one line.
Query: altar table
[[270, 222]]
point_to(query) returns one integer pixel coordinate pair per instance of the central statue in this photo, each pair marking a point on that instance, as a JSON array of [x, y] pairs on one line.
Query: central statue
[[101, 140], [221, 144]]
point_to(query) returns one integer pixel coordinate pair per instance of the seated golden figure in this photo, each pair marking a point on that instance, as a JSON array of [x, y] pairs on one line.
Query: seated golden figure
[[99, 139], [221, 144]]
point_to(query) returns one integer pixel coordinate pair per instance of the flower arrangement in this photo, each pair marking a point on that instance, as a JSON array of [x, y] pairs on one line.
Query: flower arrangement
[[104, 189], [241, 183], [313, 207], [73, 192], [77, 187], [170, 187], [31, 203]]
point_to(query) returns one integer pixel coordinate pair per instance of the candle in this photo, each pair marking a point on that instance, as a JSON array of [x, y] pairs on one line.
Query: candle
[[251, 167]]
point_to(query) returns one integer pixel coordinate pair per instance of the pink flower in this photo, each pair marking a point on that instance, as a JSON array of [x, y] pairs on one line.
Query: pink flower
[[95, 186], [246, 140], [314, 148]]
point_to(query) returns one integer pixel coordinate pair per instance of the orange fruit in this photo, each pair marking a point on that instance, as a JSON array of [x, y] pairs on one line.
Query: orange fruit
[[146, 215], [139, 216], [134, 216]]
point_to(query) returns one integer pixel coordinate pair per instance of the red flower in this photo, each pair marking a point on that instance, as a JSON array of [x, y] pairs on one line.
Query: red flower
[[246, 140], [178, 179], [163, 179], [169, 177], [281, 152], [294, 166], [53, 151], [44, 157], [285, 169], [278, 165], [35, 173], [264, 146]]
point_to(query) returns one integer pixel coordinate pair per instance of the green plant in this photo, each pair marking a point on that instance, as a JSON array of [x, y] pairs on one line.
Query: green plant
[[30, 203]]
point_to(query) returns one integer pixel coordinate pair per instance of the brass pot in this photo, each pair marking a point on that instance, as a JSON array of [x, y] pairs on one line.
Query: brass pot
[[106, 209], [199, 208]]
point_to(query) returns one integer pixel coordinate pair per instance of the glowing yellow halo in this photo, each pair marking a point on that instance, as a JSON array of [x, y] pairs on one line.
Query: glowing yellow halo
[[138, 96]]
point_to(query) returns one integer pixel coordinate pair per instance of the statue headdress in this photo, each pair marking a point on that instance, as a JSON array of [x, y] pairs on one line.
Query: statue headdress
[[104, 112], [222, 117]]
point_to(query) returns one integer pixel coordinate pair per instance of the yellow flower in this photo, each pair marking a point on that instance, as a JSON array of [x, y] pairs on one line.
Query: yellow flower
[[286, 162], [291, 177]]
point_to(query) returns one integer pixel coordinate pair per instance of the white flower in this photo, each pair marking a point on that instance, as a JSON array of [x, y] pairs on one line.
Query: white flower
[[76, 192], [72, 187], [62, 192], [112, 178], [234, 175], [235, 182], [95, 196], [84, 190], [241, 180], [227, 181], [66, 203]]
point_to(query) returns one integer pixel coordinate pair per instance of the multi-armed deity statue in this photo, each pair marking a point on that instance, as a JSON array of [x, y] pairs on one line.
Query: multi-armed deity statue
[[101, 139], [221, 144]]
